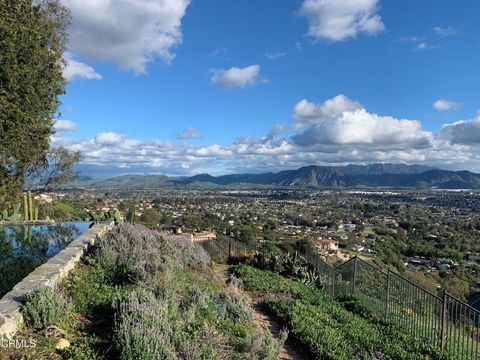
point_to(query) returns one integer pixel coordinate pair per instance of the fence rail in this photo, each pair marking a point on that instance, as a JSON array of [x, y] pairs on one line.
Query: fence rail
[[443, 321]]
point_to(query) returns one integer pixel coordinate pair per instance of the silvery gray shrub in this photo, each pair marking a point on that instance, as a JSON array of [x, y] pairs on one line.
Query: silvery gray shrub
[[134, 253]]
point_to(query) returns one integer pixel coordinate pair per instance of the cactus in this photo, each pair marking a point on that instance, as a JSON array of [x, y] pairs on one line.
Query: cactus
[[30, 206], [117, 217], [27, 235], [15, 217], [131, 216], [16, 208], [12, 215], [25, 207]]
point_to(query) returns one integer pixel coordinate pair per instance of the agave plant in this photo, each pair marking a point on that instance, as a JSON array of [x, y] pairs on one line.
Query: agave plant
[[312, 279], [295, 266], [12, 215]]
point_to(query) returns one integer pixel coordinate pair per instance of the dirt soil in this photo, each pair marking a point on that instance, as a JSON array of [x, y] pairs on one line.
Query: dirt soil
[[291, 349]]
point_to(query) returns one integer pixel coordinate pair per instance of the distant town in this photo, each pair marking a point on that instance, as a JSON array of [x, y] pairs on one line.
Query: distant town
[[431, 236]]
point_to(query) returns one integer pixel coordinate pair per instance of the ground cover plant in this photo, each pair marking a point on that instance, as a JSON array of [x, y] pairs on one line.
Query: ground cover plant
[[327, 327], [45, 307], [140, 296]]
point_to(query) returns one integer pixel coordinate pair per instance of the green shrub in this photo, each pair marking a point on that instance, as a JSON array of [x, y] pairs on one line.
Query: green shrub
[[267, 281], [234, 281], [261, 346], [332, 332], [45, 307], [330, 329], [133, 253], [356, 306], [233, 307], [194, 296], [150, 328], [142, 327], [82, 350], [140, 287], [62, 212], [88, 289]]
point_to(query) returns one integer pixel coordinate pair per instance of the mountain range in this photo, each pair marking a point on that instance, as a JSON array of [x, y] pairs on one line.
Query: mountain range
[[350, 176]]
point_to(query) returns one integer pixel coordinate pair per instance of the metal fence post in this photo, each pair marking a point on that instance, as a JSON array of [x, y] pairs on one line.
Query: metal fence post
[[443, 322], [387, 297], [354, 281]]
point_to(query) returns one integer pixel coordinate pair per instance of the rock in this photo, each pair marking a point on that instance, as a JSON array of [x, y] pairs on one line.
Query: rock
[[54, 331], [62, 344]]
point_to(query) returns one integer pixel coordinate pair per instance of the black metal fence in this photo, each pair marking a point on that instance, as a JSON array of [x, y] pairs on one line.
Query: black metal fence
[[443, 321], [227, 249]]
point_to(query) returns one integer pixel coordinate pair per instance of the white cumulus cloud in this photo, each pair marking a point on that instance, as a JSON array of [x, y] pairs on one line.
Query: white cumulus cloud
[[446, 105], [338, 131], [76, 70], [341, 121], [65, 126], [109, 138], [339, 20], [129, 33], [306, 112], [361, 127], [236, 77], [466, 132]]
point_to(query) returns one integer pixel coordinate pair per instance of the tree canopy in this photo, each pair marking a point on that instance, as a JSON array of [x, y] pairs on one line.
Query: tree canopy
[[33, 39]]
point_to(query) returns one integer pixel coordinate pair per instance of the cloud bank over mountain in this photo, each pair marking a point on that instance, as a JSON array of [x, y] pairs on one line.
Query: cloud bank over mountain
[[337, 131]]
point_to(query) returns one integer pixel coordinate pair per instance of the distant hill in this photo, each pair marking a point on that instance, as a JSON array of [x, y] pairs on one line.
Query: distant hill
[[374, 175], [133, 182]]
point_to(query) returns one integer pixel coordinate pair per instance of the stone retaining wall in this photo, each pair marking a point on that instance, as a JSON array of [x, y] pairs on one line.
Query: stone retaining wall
[[48, 274], [27, 223]]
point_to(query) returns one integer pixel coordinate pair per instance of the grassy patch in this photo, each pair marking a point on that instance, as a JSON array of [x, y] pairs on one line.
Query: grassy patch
[[330, 329]]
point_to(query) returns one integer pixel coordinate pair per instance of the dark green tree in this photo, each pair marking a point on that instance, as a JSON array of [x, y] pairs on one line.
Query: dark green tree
[[150, 217], [33, 39], [247, 233]]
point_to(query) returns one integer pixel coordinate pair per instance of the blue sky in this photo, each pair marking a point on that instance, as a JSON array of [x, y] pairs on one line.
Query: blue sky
[[182, 87]]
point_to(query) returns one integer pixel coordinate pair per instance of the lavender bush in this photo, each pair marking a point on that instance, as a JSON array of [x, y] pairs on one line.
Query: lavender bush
[[133, 253], [232, 306], [149, 328], [172, 312], [142, 327]]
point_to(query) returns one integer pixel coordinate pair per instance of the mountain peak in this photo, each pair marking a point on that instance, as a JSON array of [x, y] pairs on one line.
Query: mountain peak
[[372, 175]]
